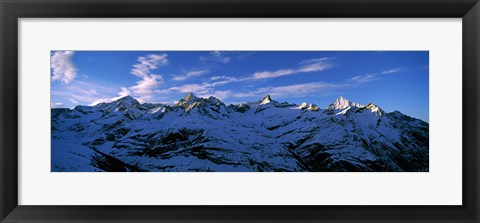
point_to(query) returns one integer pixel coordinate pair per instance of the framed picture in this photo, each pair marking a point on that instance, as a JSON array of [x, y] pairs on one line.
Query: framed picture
[[223, 111]]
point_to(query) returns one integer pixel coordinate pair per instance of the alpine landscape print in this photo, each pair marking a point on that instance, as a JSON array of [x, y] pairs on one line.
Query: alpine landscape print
[[239, 111]]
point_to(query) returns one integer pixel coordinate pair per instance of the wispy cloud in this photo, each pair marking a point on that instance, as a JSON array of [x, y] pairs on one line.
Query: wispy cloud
[[310, 65], [313, 67], [244, 55], [56, 105], [81, 92], [62, 66], [272, 74], [298, 90], [314, 60], [217, 56], [220, 57], [144, 89], [192, 88], [147, 88], [208, 88], [394, 70], [362, 79], [204, 90], [148, 63], [190, 74], [222, 95], [222, 80], [123, 92]]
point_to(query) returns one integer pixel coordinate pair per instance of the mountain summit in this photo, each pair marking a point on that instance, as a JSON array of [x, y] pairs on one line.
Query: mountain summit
[[190, 97], [342, 103], [265, 100]]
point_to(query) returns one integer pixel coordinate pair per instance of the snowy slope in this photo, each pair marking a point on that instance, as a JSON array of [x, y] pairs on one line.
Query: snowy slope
[[204, 134]]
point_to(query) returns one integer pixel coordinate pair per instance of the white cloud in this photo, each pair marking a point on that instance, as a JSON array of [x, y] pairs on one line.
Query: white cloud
[[56, 105], [207, 88], [394, 70], [101, 100], [80, 92], [147, 86], [314, 60], [221, 95], [190, 74], [123, 92], [217, 56], [295, 90], [220, 57], [144, 89], [86, 93], [203, 90], [222, 80], [148, 63], [270, 74], [318, 66], [311, 65], [192, 88], [62, 66], [362, 79]]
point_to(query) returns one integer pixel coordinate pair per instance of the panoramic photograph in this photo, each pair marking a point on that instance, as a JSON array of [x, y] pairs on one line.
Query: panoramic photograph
[[239, 111]]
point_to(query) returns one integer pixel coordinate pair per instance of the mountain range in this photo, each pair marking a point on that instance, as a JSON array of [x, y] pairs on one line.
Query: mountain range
[[205, 134]]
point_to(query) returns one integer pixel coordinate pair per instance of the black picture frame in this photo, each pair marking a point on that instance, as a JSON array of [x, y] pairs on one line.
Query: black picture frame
[[12, 10]]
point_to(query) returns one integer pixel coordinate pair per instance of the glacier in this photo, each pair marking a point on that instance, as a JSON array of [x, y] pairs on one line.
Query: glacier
[[206, 135]]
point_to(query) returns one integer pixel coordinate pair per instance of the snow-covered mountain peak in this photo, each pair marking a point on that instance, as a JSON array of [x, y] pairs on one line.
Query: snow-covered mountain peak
[[265, 100], [375, 109], [127, 99], [190, 97], [190, 101], [313, 107], [214, 100], [124, 103], [303, 105], [342, 103]]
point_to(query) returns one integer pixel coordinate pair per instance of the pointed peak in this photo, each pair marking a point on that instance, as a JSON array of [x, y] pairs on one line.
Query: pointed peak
[[190, 97], [375, 109], [303, 105], [123, 103], [187, 100], [265, 100], [126, 98], [342, 99], [213, 99], [341, 103]]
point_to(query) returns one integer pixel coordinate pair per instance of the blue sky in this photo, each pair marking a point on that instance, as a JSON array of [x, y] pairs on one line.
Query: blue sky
[[393, 80]]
